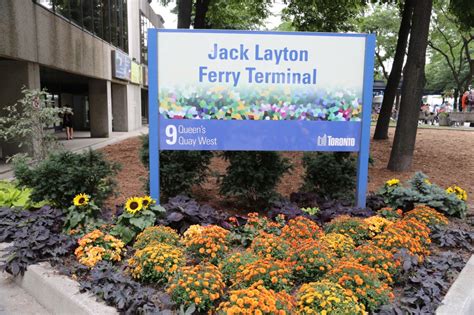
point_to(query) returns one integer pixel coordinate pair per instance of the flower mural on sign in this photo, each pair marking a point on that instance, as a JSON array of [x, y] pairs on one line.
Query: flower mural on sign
[[265, 103]]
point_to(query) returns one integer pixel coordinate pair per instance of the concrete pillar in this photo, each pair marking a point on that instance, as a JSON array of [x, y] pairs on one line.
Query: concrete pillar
[[119, 107], [13, 76], [134, 106], [100, 104]]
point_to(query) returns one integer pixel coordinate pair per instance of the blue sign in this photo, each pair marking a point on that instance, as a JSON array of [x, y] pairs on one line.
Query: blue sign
[[274, 91]]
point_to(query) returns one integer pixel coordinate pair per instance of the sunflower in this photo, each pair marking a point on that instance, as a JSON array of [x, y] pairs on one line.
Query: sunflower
[[81, 200], [146, 201], [134, 204]]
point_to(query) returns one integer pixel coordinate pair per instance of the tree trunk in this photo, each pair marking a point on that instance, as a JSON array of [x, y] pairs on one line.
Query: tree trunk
[[185, 9], [202, 6], [412, 90], [381, 130]]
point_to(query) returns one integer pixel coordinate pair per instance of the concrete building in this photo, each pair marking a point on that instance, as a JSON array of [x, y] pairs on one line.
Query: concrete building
[[89, 54]]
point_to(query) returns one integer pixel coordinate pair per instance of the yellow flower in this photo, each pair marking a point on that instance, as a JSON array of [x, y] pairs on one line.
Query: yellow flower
[[133, 205], [81, 200], [392, 182], [146, 201]]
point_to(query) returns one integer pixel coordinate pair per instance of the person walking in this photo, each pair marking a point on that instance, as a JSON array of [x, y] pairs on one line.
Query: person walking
[[470, 100], [67, 123]]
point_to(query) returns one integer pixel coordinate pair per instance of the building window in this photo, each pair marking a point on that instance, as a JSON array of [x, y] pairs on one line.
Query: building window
[[145, 24], [106, 19]]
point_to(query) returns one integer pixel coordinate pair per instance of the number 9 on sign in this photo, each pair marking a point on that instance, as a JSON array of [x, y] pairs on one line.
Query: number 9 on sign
[[171, 134]]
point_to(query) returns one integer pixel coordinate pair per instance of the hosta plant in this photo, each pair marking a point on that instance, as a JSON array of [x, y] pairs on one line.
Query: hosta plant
[[257, 299], [19, 197], [97, 246], [156, 262], [201, 285], [326, 297]]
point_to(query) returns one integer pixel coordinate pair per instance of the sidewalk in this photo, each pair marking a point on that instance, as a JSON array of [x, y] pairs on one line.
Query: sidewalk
[[15, 301], [82, 142]]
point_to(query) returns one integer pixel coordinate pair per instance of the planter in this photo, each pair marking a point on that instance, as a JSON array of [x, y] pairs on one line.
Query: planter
[[443, 120], [58, 294]]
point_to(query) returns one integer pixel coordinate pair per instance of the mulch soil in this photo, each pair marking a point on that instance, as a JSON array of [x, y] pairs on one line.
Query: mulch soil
[[446, 156]]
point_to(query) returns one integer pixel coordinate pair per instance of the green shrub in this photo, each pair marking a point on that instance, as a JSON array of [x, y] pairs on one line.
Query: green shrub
[[253, 176], [331, 175], [421, 191], [64, 175], [179, 170]]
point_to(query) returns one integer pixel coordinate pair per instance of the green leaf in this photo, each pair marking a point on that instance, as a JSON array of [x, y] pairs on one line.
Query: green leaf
[[139, 222]]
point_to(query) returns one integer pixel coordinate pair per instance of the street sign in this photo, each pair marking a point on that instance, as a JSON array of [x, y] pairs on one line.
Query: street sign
[[264, 91]]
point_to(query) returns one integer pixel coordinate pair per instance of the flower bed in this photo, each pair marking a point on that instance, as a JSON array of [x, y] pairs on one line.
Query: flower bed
[[250, 264]]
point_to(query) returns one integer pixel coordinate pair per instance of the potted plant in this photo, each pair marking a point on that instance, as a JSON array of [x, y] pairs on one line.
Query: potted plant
[[443, 119]]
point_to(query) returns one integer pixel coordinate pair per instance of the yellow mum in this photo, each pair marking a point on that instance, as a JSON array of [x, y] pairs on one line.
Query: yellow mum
[[392, 182], [81, 200], [134, 205]]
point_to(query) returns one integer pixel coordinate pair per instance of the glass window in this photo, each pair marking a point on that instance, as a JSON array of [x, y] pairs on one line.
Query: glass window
[[62, 7], [145, 24], [113, 23], [106, 20], [119, 13], [48, 4], [97, 16], [76, 11], [87, 15], [125, 26]]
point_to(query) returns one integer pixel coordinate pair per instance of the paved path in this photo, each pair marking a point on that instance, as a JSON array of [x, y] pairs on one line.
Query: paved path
[[15, 301], [82, 142]]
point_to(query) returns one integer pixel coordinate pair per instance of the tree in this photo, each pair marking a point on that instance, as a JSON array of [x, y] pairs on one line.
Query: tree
[[185, 9], [381, 129], [412, 90], [322, 15], [464, 12], [451, 41], [221, 14], [28, 120], [384, 22]]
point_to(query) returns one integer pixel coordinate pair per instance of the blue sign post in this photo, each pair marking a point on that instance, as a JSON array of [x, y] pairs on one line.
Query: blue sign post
[[264, 91]]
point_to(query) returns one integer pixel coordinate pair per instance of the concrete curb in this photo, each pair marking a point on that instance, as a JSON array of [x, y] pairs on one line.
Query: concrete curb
[[58, 294], [460, 298]]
